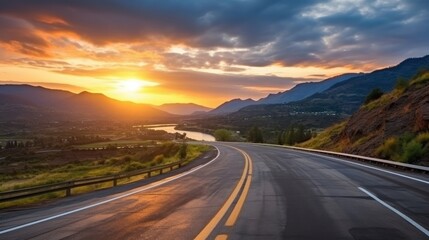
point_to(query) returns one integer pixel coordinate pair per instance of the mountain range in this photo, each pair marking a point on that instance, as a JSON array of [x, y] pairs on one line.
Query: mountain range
[[321, 109], [299, 92], [232, 106], [316, 104], [347, 96], [26, 102]]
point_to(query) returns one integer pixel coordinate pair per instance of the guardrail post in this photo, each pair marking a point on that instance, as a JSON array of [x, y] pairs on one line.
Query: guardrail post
[[149, 174], [68, 190], [115, 181]]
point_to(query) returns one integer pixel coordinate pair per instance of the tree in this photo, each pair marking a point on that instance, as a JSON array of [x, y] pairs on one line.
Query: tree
[[293, 135], [255, 135], [401, 84], [280, 138], [223, 135], [289, 136], [375, 94]]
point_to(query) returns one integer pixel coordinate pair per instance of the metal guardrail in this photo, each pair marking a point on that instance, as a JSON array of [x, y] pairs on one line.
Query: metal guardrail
[[68, 186], [405, 166]]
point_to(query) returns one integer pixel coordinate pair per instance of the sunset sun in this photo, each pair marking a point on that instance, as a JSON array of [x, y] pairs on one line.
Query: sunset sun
[[134, 85]]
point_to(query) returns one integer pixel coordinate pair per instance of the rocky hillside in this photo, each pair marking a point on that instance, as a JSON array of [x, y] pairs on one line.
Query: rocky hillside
[[394, 126]]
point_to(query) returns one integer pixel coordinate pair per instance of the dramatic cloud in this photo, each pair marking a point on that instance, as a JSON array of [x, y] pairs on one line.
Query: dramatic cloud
[[224, 38]]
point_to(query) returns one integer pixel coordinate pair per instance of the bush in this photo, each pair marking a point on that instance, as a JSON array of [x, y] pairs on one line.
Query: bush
[[407, 148], [126, 159], [373, 95], [223, 135], [134, 166], [389, 149], [169, 149], [423, 138], [401, 84], [413, 151], [158, 159]]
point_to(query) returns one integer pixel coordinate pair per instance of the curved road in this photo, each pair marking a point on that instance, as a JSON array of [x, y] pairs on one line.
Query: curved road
[[247, 192]]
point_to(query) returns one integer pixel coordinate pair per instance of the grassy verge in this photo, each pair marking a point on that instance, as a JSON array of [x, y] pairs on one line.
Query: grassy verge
[[117, 143], [113, 162], [326, 139]]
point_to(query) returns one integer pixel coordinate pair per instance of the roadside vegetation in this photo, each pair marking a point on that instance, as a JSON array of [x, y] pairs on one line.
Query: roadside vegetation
[[407, 148], [326, 139], [294, 135], [388, 125], [30, 170], [225, 135], [73, 151]]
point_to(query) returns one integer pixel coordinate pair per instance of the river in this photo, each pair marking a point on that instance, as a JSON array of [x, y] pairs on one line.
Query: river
[[190, 134]]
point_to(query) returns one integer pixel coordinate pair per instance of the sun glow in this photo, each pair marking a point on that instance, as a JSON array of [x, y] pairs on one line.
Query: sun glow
[[134, 85]]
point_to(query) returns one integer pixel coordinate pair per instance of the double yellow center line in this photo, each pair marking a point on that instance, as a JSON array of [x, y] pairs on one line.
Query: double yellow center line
[[246, 178]]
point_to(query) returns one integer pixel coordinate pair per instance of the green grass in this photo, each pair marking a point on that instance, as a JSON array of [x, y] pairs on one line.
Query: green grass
[[407, 148], [420, 79], [118, 143], [383, 100], [325, 138]]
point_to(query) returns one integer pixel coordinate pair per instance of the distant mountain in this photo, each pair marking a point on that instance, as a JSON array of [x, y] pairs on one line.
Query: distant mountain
[[183, 108], [321, 109], [394, 127], [298, 92], [26, 102], [38, 96], [232, 106], [304, 90], [347, 96], [344, 98]]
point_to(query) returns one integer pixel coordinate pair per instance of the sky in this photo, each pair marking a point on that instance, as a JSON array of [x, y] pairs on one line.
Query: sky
[[202, 51]]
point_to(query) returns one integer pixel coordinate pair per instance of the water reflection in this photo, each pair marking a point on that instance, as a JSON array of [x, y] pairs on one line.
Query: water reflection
[[190, 134]]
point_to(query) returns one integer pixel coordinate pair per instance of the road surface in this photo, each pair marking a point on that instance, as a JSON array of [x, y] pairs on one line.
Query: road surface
[[247, 192]]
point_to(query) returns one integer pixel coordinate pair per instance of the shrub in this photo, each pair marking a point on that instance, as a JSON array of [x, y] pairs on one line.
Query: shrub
[[134, 166], [407, 148], [421, 78], [223, 135], [158, 159], [126, 159], [413, 151], [114, 161], [401, 84], [389, 149], [423, 138], [375, 94]]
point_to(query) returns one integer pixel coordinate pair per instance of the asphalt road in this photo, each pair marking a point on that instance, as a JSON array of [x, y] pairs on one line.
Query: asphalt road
[[247, 192]]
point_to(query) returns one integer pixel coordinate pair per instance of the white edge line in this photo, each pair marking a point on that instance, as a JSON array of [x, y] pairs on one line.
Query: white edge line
[[415, 224], [156, 184], [363, 165]]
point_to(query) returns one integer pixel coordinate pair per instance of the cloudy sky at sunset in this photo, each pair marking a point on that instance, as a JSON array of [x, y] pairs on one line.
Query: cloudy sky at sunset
[[203, 51]]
